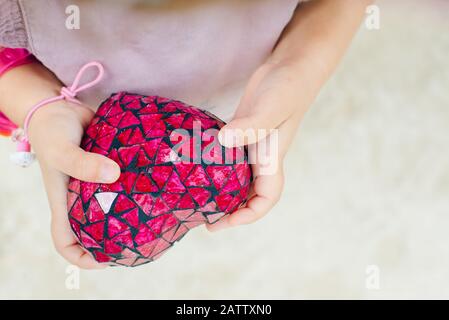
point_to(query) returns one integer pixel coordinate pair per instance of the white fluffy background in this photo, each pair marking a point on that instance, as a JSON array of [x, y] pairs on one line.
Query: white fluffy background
[[367, 184]]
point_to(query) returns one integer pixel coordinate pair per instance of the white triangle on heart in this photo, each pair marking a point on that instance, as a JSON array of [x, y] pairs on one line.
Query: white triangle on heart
[[105, 200]]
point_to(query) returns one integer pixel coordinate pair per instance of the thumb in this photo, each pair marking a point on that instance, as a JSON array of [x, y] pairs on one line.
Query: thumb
[[87, 166], [256, 118], [244, 131], [262, 108]]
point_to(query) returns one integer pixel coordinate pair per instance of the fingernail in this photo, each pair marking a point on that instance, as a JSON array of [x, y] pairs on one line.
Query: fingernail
[[109, 172]]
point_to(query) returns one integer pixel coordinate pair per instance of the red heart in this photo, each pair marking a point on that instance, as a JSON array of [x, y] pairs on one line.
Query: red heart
[[163, 191]]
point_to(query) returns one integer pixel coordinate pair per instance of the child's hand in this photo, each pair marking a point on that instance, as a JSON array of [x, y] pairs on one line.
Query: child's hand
[[55, 133], [280, 92], [271, 101]]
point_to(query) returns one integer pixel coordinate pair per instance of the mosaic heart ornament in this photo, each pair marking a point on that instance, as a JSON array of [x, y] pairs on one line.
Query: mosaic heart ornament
[[174, 176]]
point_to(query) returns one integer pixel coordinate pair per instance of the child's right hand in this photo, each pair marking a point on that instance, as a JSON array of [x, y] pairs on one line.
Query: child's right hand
[[55, 134]]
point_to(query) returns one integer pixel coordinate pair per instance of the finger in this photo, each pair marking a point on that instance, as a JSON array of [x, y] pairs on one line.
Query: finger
[[86, 114], [70, 249], [247, 130], [256, 208], [267, 191], [260, 118], [63, 238], [85, 166], [223, 222], [270, 98]]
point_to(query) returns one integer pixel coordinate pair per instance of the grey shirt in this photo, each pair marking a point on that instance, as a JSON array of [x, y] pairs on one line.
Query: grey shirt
[[187, 50]]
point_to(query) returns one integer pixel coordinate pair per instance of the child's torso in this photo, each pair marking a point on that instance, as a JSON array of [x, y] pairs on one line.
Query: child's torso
[[186, 50]]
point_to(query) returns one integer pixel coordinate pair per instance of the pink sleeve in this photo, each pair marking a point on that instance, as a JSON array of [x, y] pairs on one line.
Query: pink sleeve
[[10, 58]]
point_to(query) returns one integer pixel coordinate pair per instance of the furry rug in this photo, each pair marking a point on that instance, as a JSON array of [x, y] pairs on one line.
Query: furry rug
[[367, 184]]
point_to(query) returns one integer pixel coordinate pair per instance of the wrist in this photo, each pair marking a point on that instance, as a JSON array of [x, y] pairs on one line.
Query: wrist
[[55, 112], [302, 75], [23, 87]]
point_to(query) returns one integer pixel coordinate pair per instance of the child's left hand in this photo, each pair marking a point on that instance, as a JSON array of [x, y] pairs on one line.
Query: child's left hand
[[280, 92], [271, 101]]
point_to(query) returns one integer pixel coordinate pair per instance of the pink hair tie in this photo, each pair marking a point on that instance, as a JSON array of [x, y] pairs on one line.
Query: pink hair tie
[[23, 156]]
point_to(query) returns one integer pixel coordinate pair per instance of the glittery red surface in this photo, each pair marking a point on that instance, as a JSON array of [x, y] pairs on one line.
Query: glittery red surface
[[163, 191]]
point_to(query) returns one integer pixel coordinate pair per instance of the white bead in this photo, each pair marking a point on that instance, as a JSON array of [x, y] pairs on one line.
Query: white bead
[[23, 159]]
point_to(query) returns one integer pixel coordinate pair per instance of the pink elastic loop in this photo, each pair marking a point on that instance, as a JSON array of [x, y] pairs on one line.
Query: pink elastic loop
[[74, 87], [67, 93]]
